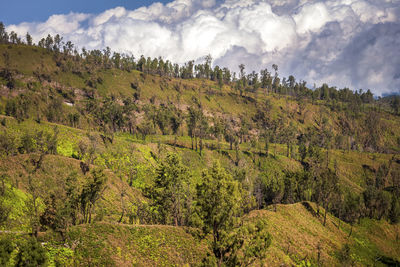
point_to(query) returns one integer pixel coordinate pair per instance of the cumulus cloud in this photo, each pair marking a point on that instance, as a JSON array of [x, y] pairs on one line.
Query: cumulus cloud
[[346, 43]]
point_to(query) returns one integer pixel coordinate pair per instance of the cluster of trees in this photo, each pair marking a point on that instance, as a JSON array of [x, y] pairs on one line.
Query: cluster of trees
[[76, 202], [42, 142], [319, 183], [70, 59], [111, 115], [29, 252], [215, 204]]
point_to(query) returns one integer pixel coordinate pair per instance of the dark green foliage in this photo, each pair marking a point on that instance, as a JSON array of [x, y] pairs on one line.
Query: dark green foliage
[[219, 205], [302, 151], [3, 34], [30, 254], [19, 107], [377, 202], [91, 192], [39, 141], [8, 144], [274, 187], [394, 213], [218, 199], [248, 244], [395, 104], [54, 111], [326, 185], [170, 192], [4, 213], [352, 209], [344, 255], [6, 248], [58, 214]]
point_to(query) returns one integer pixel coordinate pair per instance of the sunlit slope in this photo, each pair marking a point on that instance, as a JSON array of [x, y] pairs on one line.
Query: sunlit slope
[[299, 235]]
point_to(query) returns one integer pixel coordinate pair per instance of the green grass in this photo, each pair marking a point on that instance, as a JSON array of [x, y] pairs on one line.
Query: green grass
[[124, 245], [297, 234]]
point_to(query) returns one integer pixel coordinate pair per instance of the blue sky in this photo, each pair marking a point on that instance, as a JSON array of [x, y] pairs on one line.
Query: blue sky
[[17, 11]]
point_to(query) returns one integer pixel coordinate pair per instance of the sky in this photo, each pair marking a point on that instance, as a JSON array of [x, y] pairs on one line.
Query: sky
[[17, 11], [345, 43]]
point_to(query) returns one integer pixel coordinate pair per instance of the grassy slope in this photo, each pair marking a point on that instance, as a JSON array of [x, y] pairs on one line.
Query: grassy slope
[[126, 245], [27, 60], [51, 178], [291, 224], [297, 233]]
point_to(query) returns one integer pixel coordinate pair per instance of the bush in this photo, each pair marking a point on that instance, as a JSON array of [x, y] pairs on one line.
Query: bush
[[39, 141], [31, 253], [7, 144], [6, 248], [344, 255]]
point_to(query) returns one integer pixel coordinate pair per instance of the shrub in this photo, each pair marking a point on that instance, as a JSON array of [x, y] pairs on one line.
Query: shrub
[[31, 253]]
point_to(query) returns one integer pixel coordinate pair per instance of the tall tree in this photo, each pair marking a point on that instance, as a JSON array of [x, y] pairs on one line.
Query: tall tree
[[28, 39], [170, 189], [218, 202], [3, 34]]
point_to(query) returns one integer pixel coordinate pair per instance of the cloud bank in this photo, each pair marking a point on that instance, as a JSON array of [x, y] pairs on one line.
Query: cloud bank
[[345, 43]]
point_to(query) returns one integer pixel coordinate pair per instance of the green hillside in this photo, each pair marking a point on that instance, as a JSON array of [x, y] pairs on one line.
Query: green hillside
[[109, 165]]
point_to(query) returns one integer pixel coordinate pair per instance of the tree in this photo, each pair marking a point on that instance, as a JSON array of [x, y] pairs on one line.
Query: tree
[[325, 188], [4, 212], [302, 150], [395, 104], [266, 80], [3, 34], [6, 248], [91, 192], [8, 144], [218, 205], [247, 244], [145, 128], [33, 201], [207, 66], [170, 189], [14, 39], [274, 187], [196, 123], [352, 209], [28, 39], [4, 209], [394, 213], [31, 254]]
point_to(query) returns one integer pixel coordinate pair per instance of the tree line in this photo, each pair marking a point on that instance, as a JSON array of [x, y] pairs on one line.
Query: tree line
[[69, 58]]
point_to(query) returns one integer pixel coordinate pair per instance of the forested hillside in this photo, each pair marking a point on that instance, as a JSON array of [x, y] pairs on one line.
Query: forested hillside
[[107, 159]]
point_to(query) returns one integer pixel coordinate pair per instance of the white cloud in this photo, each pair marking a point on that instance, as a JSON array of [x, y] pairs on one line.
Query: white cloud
[[311, 17], [61, 24], [318, 41]]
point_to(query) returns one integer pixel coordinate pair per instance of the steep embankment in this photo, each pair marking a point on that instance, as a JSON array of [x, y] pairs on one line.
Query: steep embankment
[[299, 235]]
